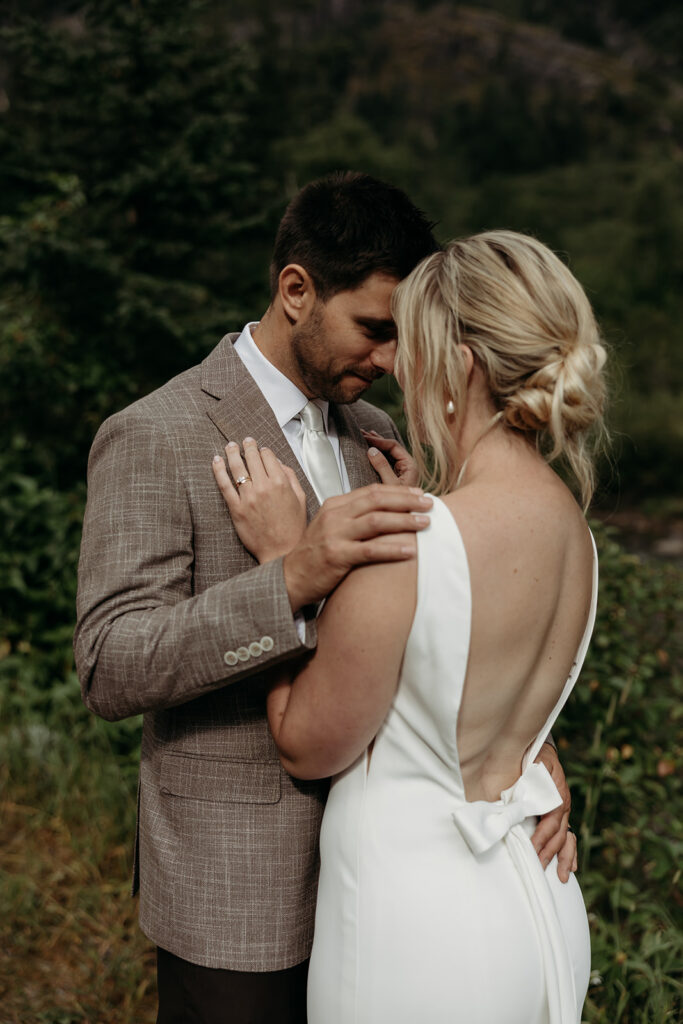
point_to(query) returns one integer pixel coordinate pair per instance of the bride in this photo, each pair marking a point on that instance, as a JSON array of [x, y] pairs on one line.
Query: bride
[[435, 680]]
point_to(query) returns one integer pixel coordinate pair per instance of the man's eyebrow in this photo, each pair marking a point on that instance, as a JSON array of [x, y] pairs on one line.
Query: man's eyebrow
[[382, 325]]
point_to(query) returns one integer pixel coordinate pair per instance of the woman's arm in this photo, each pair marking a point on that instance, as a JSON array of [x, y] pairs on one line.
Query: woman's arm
[[329, 712]]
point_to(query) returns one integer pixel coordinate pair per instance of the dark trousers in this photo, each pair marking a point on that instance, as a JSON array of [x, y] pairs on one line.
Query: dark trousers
[[190, 994]]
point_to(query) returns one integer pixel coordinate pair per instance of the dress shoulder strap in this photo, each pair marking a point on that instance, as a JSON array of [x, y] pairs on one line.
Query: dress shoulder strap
[[532, 753]]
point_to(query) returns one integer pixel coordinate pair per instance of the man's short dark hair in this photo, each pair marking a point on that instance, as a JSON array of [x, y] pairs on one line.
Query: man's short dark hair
[[347, 226]]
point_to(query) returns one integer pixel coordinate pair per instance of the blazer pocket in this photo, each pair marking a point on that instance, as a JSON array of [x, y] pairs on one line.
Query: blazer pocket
[[220, 780]]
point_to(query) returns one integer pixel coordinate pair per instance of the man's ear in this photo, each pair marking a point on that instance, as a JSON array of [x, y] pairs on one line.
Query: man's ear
[[297, 292]]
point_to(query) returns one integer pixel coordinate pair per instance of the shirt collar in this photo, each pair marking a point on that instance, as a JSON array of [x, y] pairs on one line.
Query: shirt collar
[[281, 394]]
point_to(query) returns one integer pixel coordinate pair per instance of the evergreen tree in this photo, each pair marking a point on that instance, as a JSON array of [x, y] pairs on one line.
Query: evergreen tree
[[130, 204]]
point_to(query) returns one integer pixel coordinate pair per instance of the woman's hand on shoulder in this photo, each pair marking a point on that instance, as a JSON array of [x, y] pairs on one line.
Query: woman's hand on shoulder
[[265, 499]]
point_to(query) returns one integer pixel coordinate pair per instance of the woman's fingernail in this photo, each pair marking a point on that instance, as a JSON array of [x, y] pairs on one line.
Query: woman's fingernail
[[423, 520], [217, 458], [425, 500], [373, 451], [248, 439], [416, 490], [232, 444]]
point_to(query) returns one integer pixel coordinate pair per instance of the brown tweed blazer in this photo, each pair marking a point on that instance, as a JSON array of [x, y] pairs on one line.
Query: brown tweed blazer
[[177, 620]]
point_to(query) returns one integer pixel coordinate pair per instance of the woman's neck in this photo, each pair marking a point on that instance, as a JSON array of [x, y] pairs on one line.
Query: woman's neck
[[484, 444]]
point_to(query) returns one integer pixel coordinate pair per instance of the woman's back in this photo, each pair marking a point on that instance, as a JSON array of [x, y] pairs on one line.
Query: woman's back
[[413, 918], [530, 561]]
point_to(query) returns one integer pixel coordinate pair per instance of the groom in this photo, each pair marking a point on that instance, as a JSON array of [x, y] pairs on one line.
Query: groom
[[176, 620]]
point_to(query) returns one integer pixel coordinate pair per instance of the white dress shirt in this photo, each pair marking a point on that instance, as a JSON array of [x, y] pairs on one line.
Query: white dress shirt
[[286, 400]]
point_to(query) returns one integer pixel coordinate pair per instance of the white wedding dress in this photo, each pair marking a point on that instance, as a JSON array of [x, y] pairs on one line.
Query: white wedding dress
[[433, 910]]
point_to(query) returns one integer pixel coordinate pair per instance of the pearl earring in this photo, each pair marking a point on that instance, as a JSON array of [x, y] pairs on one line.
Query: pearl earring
[[450, 407]]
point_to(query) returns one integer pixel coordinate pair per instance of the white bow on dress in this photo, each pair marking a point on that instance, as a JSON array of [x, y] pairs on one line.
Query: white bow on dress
[[483, 823]]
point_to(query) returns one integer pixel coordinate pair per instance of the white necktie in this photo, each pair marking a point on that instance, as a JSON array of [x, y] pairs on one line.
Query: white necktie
[[319, 460]]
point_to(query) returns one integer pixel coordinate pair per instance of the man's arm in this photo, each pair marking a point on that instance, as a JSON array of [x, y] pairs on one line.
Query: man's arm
[[143, 640]]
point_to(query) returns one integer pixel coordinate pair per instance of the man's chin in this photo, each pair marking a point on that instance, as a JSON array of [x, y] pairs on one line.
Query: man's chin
[[342, 389], [350, 389]]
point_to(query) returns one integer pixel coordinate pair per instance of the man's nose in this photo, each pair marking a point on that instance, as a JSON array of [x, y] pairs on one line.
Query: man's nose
[[384, 355]]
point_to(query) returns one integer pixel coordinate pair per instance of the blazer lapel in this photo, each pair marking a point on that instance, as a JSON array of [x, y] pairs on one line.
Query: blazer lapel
[[242, 411], [353, 447]]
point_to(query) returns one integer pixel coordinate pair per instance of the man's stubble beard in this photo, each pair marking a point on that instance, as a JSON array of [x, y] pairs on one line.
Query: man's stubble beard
[[309, 348]]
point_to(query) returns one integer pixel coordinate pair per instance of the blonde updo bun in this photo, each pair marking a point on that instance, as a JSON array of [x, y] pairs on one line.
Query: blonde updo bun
[[558, 397], [530, 326]]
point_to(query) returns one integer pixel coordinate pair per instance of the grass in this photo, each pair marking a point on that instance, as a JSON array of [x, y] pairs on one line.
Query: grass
[[70, 948]]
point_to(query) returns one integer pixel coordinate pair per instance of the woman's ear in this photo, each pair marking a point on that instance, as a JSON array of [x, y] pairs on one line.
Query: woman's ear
[[468, 359], [296, 291]]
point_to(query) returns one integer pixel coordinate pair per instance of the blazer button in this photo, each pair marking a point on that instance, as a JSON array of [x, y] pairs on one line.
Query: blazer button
[[230, 658], [242, 653], [255, 649], [267, 643]]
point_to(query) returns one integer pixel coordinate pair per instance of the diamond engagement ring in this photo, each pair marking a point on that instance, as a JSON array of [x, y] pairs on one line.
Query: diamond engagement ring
[[242, 480]]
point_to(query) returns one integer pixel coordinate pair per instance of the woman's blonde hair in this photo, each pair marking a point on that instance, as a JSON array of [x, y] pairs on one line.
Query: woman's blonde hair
[[530, 327]]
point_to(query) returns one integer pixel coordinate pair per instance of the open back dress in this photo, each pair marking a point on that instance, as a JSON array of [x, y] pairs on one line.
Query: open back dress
[[432, 909]]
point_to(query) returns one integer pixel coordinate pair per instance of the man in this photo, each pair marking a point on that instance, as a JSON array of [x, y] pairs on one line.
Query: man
[[176, 620]]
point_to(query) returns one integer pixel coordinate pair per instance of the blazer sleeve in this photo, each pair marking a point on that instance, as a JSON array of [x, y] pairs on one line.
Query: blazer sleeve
[[143, 641]]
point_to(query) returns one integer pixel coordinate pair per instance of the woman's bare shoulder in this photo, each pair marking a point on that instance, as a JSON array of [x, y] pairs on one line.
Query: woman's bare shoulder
[[501, 520], [390, 586], [375, 604]]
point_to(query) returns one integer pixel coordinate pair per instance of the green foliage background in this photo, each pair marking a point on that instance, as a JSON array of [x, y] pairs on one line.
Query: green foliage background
[[148, 149]]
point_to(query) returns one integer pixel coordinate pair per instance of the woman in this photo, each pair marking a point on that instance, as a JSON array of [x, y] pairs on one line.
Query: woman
[[435, 680]]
